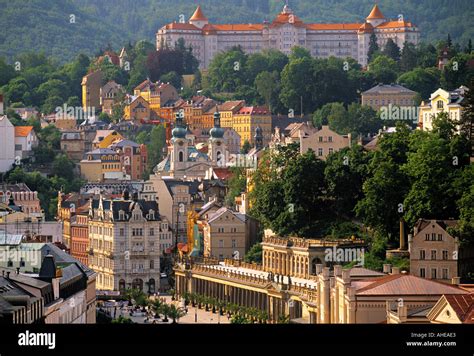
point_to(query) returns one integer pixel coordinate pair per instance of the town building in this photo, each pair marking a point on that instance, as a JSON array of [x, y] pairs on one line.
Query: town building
[[126, 238], [109, 96], [91, 84], [73, 144], [104, 138], [7, 137], [23, 197], [101, 164], [453, 309], [177, 198], [25, 140], [292, 133], [156, 94], [79, 239], [228, 234], [138, 110], [286, 31], [134, 158], [63, 285], [434, 253], [383, 95], [441, 101], [247, 119], [324, 142]]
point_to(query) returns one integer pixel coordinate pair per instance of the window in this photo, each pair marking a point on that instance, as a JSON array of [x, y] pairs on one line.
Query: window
[[234, 243], [320, 152], [445, 255], [330, 138], [445, 273], [331, 150], [422, 254], [440, 237], [422, 273], [320, 139], [440, 104], [152, 264], [152, 232], [427, 237], [433, 254], [433, 237], [433, 273]]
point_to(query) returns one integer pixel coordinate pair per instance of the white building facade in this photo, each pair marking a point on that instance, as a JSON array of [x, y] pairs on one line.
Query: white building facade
[[285, 32]]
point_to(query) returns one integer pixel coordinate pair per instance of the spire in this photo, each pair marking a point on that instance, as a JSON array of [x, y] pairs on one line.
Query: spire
[[375, 14], [198, 15], [179, 131]]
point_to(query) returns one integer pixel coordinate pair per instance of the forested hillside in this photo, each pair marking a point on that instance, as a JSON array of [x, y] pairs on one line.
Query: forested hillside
[[40, 25]]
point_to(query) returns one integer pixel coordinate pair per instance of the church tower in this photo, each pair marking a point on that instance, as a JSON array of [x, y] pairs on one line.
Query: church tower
[[179, 145], [216, 142], [258, 138]]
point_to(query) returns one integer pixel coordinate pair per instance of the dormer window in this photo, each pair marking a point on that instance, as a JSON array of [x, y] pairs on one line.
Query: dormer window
[[121, 215], [440, 104]]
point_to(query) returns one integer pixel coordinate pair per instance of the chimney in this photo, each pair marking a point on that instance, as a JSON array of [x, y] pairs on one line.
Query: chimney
[[337, 270], [402, 235], [386, 268], [395, 270], [456, 281], [346, 275]]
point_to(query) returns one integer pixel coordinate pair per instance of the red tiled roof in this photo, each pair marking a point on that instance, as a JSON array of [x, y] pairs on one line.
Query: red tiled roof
[[463, 305], [223, 173], [395, 24], [181, 26], [22, 131], [254, 110], [406, 284]]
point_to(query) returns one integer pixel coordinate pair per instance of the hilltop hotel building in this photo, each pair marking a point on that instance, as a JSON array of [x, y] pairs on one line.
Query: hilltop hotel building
[[286, 31]]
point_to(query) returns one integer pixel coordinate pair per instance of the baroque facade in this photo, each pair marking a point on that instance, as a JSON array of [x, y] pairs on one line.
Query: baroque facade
[[125, 239], [286, 31]]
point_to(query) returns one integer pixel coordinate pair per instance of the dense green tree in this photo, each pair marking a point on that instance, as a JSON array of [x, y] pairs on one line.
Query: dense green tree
[[392, 50], [383, 69], [156, 145], [254, 254], [173, 78], [373, 47], [422, 80], [408, 57], [63, 167], [345, 173]]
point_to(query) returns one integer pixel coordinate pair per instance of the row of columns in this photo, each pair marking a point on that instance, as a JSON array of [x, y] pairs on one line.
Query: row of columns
[[273, 305], [283, 263]]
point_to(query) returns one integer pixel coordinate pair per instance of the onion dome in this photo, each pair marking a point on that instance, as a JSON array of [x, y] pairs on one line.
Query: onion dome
[[217, 131], [179, 131]]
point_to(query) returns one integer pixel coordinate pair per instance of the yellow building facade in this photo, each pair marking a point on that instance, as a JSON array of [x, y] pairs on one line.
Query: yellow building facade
[[441, 101]]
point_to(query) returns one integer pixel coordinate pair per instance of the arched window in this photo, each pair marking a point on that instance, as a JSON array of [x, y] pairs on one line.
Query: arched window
[[181, 156]]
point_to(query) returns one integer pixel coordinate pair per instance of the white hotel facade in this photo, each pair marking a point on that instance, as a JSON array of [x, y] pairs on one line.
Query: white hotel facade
[[285, 32]]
